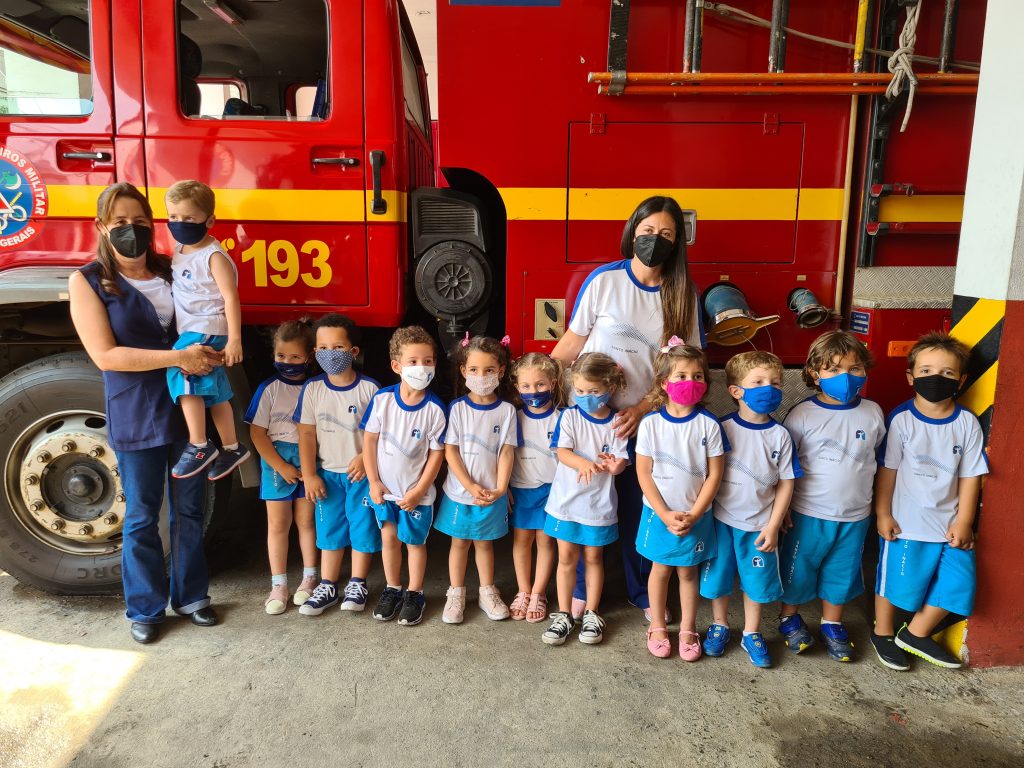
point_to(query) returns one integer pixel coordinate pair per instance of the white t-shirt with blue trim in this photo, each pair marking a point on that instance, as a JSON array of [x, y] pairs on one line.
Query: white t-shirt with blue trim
[[273, 408], [535, 462], [621, 317], [406, 435], [336, 413], [930, 456], [593, 503], [480, 432], [761, 456], [837, 447], [680, 449]]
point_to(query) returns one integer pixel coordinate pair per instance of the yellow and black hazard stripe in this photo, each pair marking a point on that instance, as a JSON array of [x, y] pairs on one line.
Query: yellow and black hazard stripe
[[978, 323]]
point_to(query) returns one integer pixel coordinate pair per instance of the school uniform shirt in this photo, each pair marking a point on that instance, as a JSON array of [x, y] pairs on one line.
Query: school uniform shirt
[[406, 435], [336, 412], [680, 449], [930, 456], [198, 303], [621, 317], [480, 432], [837, 447], [761, 456], [273, 408], [593, 503], [536, 462]]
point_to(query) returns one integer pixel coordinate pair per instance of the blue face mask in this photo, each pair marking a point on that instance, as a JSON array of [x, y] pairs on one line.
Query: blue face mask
[[593, 403], [334, 361], [291, 370], [764, 399], [845, 387], [187, 232], [536, 399]]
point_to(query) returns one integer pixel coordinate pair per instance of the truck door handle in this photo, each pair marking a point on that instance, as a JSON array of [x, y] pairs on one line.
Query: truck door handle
[[99, 157], [379, 206], [349, 161]]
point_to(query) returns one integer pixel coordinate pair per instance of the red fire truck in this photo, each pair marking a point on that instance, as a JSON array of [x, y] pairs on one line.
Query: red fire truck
[[556, 117]]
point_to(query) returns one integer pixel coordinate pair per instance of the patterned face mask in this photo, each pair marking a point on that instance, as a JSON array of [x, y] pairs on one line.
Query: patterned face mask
[[334, 361]]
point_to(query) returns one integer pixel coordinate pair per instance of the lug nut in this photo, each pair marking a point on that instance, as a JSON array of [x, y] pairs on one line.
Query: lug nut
[[57, 525], [96, 451], [68, 445], [119, 498], [85, 529], [115, 472], [43, 457], [110, 519], [36, 506], [31, 479]]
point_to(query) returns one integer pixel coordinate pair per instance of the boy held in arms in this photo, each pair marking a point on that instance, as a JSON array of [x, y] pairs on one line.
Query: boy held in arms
[[926, 497], [207, 311]]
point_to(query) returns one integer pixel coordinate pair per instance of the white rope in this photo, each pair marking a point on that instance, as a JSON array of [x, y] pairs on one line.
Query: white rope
[[901, 63]]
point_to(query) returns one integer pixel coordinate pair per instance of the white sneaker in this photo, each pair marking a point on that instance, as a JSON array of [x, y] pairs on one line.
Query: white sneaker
[[492, 604], [355, 596], [455, 605], [592, 628]]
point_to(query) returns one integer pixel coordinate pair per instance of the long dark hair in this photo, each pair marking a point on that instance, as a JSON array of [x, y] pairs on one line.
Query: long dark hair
[[678, 298], [156, 263]]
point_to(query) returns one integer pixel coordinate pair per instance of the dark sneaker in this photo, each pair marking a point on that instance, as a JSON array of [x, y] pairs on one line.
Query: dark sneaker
[[837, 642], [716, 639], [798, 636], [324, 596], [413, 605], [227, 461], [355, 595], [560, 629], [756, 649], [927, 649], [388, 604], [889, 653], [194, 460], [591, 628]]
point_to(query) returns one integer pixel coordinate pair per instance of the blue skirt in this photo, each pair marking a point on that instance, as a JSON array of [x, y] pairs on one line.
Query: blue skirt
[[272, 485], [468, 521], [578, 533], [659, 545], [528, 507]]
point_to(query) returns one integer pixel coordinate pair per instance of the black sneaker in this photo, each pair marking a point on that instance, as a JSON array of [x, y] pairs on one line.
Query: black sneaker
[[226, 462], [413, 605], [324, 596], [388, 603], [889, 653], [927, 649], [561, 627]]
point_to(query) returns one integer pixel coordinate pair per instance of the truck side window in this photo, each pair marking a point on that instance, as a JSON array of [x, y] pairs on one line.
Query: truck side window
[[44, 61], [265, 47], [411, 88]]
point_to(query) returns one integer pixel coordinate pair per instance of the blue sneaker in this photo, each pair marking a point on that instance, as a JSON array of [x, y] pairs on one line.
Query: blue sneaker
[[798, 636], [227, 461], [194, 460], [324, 596], [837, 641], [716, 639], [756, 649], [355, 595]]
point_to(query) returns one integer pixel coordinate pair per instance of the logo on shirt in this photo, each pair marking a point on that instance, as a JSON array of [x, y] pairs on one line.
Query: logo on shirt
[[775, 455], [958, 450], [187, 274], [418, 434], [497, 428], [703, 442], [550, 435], [353, 409], [606, 448], [862, 435], [757, 561]]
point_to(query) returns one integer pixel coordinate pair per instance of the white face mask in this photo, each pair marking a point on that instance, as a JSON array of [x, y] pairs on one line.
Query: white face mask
[[482, 385], [418, 376]]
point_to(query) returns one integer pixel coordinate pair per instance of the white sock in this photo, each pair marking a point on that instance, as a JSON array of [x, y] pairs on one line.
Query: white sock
[[232, 447], [200, 445], [823, 621], [748, 634]]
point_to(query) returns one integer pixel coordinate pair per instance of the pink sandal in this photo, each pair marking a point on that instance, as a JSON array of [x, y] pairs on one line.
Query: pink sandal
[[689, 651], [538, 608], [517, 608], [661, 648]]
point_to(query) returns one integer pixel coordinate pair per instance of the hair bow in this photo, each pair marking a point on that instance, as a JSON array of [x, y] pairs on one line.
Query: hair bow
[[675, 341], [506, 340], [465, 341]]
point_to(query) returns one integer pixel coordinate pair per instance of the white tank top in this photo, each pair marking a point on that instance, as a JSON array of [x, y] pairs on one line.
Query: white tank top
[[198, 304], [158, 291]]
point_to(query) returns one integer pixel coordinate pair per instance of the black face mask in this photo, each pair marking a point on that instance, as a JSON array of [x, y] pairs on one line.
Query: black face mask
[[653, 250], [131, 240], [936, 388]]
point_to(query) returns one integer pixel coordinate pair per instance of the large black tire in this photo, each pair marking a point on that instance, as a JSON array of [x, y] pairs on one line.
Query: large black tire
[[55, 401]]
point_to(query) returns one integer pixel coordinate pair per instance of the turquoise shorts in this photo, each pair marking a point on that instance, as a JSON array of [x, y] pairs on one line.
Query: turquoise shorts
[[578, 533], [468, 521], [913, 574], [528, 507], [272, 485], [822, 558], [413, 527], [213, 387], [659, 545], [736, 554], [346, 517]]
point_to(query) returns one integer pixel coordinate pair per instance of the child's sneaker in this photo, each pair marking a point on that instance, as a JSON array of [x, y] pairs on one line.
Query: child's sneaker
[[837, 642], [194, 459], [454, 606], [355, 596], [306, 589], [798, 636], [756, 649], [388, 604], [560, 629], [413, 606], [277, 601], [889, 653], [927, 649], [716, 639], [591, 628], [324, 596], [227, 461], [492, 604]]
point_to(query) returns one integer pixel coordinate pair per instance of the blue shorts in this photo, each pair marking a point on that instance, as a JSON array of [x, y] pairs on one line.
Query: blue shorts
[[912, 574], [578, 533], [528, 507], [213, 387], [413, 527], [822, 558], [659, 545], [345, 518], [272, 485], [736, 553], [469, 521]]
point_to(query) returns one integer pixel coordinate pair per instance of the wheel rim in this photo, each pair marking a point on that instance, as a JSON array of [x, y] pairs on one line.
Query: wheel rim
[[63, 484]]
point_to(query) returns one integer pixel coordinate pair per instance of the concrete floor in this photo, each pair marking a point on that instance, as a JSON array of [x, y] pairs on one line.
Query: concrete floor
[[343, 689]]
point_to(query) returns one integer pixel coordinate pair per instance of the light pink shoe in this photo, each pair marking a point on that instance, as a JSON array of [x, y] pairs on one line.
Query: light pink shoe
[[455, 605], [689, 651], [305, 590], [579, 607], [517, 608], [661, 648], [492, 604], [647, 616], [277, 601]]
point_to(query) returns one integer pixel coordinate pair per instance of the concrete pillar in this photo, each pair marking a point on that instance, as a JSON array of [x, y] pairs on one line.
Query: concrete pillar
[[988, 314]]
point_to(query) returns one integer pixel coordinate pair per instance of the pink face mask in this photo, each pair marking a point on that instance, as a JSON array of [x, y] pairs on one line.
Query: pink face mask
[[686, 393]]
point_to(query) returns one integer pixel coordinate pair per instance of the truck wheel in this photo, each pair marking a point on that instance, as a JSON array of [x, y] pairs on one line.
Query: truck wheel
[[62, 506]]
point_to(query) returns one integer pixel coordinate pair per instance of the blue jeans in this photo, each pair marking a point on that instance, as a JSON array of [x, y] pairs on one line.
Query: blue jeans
[[145, 475]]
